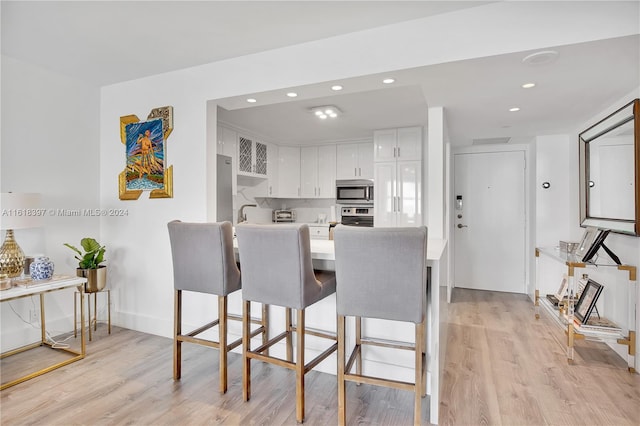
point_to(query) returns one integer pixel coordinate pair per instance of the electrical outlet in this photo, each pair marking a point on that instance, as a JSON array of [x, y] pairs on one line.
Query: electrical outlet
[[34, 315]]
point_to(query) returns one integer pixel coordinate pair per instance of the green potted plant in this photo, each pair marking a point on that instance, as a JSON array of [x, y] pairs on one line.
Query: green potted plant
[[89, 265]]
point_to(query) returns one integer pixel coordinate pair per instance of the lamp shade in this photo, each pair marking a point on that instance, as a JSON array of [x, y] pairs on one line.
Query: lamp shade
[[18, 211]]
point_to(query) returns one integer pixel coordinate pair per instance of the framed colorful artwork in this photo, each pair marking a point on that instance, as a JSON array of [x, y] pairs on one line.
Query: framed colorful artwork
[[145, 143]]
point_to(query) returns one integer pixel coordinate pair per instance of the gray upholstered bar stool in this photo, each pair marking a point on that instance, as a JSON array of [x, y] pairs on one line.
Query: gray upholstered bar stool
[[277, 270], [204, 262], [381, 273]]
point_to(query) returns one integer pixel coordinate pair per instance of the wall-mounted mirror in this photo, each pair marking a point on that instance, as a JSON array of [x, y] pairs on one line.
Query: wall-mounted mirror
[[609, 172]]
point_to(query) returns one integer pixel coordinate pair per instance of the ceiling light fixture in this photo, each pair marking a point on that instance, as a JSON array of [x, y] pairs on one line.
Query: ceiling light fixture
[[528, 85], [514, 109], [388, 80], [326, 111], [541, 58], [251, 100], [336, 88], [292, 94]]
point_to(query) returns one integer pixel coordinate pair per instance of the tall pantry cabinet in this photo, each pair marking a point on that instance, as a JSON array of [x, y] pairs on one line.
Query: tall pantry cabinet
[[398, 177]]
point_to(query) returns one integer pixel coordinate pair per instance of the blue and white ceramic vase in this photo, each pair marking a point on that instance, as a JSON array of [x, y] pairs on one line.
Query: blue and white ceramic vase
[[41, 268]]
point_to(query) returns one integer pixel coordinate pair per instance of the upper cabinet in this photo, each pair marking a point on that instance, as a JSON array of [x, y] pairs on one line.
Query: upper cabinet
[[354, 161], [227, 145], [398, 144], [272, 170], [318, 171], [398, 177], [252, 157], [227, 141], [288, 172]]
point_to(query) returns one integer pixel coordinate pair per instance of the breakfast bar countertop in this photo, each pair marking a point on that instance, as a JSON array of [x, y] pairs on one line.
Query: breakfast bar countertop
[[325, 250]]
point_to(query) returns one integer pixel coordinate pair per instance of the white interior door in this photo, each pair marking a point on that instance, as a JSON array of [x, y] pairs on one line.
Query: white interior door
[[489, 226]]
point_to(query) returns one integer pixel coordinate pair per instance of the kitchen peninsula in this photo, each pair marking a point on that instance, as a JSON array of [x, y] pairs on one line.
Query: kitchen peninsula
[[323, 255]]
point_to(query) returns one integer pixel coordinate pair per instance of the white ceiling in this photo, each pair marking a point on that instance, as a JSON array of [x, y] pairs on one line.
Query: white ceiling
[[476, 94], [109, 42], [106, 42]]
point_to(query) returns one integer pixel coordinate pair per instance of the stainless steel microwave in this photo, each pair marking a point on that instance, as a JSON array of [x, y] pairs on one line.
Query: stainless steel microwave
[[354, 191]]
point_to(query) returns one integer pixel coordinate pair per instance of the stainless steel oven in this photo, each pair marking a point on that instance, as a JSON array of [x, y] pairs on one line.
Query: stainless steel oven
[[357, 215], [354, 191]]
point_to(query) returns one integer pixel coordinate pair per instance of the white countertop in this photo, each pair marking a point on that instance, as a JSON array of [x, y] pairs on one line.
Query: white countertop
[[325, 250]]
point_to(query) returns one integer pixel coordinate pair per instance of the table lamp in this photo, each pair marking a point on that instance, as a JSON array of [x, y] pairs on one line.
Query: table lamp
[[17, 211]]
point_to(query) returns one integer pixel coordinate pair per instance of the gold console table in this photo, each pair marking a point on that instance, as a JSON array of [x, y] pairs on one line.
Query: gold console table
[[565, 317], [28, 288]]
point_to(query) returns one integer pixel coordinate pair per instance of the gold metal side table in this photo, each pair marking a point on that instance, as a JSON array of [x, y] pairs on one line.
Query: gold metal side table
[[27, 288], [93, 321]]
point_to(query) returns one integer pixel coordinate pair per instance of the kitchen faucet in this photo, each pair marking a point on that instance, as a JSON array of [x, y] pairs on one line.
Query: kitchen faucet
[[242, 216]]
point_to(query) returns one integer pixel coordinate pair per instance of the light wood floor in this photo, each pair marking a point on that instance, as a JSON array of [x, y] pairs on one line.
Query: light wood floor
[[502, 368]]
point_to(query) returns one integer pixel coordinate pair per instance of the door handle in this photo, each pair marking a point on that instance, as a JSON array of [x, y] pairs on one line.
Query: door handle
[[460, 226]]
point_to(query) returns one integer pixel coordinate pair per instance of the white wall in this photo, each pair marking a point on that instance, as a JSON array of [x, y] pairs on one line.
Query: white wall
[[558, 218], [626, 247], [49, 145], [552, 205], [140, 264], [434, 178]]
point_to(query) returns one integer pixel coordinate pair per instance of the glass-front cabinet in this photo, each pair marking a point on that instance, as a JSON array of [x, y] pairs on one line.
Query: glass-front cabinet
[[252, 158]]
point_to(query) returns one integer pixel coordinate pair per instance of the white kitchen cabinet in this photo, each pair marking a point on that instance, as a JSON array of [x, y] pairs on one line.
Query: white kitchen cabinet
[[227, 145], [318, 171], [354, 161], [398, 176], [398, 193], [272, 170], [398, 144], [288, 172], [252, 157], [319, 232]]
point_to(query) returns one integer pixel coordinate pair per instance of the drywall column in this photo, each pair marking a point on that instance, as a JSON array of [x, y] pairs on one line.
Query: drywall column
[[552, 203], [211, 149], [435, 184]]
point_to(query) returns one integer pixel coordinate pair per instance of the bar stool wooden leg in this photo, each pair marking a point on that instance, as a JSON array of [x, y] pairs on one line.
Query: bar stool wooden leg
[[246, 342], [424, 357], [417, 408], [342, 409], [222, 335], [289, 338], [177, 330], [300, 366], [265, 324], [359, 345]]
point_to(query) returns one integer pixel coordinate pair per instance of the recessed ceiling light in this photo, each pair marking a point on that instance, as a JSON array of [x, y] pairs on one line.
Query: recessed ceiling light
[[251, 100], [541, 58], [336, 87], [514, 109], [388, 80], [528, 85], [292, 94]]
